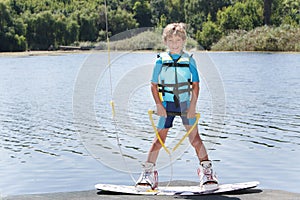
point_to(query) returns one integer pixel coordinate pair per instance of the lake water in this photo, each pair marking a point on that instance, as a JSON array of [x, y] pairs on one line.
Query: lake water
[[58, 134]]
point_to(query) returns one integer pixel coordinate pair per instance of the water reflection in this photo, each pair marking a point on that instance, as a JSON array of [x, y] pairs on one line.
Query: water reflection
[[40, 145]]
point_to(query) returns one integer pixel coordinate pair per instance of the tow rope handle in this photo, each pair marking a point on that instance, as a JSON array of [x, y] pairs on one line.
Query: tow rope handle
[[151, 112], [113, 112]]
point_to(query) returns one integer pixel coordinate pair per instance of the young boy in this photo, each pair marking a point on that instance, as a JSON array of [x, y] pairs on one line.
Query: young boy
[[176, 79]]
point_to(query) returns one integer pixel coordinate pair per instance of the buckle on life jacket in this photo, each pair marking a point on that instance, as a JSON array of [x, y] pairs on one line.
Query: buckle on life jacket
[[176, 89]]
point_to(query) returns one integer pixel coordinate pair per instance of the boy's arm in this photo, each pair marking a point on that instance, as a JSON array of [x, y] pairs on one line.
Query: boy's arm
[[195, 93], [161, 111]]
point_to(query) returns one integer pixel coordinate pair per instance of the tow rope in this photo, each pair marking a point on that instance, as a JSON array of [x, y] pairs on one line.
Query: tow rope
[[151, 112]]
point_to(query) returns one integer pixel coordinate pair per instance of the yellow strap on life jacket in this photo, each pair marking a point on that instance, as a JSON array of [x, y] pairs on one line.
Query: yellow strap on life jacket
[[151, 112], [160, 96]]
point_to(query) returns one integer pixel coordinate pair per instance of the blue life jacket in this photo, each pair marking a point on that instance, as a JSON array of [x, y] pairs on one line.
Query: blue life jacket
[[175, 78]]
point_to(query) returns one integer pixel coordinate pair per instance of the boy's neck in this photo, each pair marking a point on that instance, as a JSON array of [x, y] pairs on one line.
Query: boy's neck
[[172, 53]]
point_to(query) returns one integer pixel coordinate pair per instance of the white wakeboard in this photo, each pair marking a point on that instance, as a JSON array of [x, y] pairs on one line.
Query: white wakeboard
[[175, 190]]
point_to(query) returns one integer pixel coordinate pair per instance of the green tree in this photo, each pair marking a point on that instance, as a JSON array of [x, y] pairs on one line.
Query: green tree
[[162, 21], [120, 20], [195, 15], [42, 31], [244, 16], [72, 34], [209, 34], [142, 13], [125, 5], [286, 12], [60, 27], [175, 11], [197, 11], [267, 11], [158, 11], [11, 31], [37, 24], [87, 31]]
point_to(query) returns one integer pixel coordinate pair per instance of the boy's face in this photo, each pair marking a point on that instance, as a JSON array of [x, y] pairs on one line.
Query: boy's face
[[175, 44]]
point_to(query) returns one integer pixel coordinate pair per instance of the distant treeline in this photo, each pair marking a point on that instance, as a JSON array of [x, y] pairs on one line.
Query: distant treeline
[[47, 24]]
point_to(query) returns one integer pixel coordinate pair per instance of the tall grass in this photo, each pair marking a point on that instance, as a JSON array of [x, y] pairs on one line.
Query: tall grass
[[265, 38], [148, 40]]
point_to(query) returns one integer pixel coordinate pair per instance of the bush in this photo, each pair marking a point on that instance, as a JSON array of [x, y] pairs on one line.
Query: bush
[[283, 38], [143, 41], [244, 16], [21, 44]]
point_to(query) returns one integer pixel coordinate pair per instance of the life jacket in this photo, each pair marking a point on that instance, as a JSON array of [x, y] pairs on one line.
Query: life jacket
[[175, 78]]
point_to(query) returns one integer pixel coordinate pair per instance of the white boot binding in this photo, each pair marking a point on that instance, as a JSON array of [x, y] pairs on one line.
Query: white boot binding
[[208, 179], [148, 178]]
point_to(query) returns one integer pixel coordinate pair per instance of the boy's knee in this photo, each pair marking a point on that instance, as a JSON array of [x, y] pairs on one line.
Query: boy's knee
[[196, 142], [157, 144]]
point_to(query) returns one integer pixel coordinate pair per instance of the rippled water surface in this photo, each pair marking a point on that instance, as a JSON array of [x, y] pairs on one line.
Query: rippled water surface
[[57, 131]]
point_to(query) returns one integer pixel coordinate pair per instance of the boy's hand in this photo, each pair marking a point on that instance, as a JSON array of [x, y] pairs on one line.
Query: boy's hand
[[191, 112], [161, 111]]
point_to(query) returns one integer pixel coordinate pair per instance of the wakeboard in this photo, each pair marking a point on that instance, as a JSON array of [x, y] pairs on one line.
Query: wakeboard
[[175, 190]]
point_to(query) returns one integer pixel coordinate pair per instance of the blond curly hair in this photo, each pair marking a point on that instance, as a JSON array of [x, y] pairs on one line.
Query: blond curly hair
[[174, 29]]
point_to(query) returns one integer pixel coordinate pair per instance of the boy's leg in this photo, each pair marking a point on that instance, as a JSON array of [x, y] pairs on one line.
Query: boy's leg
[[149, 176], [156, 145], [197, 143], [163, 126], [206, 174]]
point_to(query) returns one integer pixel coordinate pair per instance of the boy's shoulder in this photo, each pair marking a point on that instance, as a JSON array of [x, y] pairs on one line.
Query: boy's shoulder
[[162, 54], [166, 54]]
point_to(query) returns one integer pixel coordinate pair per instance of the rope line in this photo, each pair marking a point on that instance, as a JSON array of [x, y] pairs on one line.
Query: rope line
[[112, 104], [169, 152], [108, 49], [151, 112]]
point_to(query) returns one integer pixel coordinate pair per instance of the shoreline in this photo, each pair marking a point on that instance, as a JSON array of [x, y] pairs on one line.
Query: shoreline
[[249, 194], [41, 53], [62, 52]]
